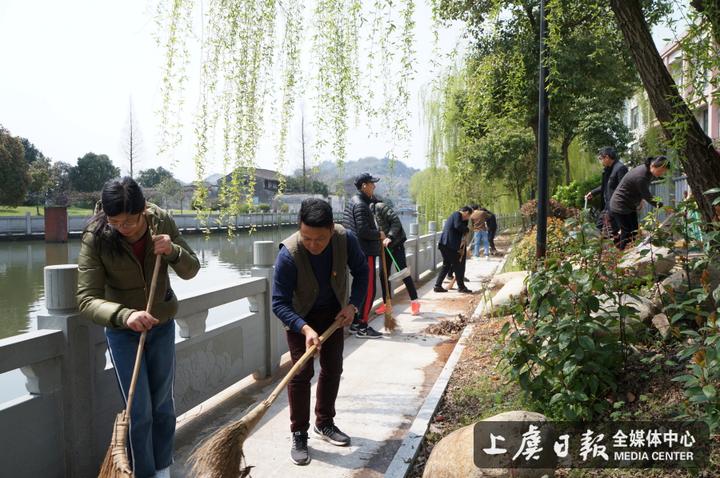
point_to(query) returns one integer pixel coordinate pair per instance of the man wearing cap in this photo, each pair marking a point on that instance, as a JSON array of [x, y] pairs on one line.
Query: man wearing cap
[[359, 219]]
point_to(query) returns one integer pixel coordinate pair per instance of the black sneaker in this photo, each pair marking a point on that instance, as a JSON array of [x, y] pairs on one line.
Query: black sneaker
[[465, 290], [332, 434], [366, 332], [354, 326], [299, 451], [438, 288]]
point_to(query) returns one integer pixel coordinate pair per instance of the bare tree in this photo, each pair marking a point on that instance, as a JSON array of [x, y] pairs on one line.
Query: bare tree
[[302, 141], [132, 141]]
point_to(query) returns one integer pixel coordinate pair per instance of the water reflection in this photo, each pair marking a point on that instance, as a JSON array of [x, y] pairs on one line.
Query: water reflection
[[22, 299], [22, 296]]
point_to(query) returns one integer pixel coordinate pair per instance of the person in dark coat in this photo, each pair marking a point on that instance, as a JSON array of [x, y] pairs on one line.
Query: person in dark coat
[[389, 223], [628, 196], [613, 172], [358, 218], [452, 247], [491, 222]]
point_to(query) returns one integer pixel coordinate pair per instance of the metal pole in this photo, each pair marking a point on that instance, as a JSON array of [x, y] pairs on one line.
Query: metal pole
[[542, 165]]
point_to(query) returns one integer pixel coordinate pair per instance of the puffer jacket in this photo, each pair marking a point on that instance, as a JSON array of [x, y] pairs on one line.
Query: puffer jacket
[[359, 219], [389, 223], [112, 284]]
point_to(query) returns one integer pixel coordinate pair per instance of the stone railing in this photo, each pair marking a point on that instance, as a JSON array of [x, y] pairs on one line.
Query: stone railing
[[34, 226], [62, 426]]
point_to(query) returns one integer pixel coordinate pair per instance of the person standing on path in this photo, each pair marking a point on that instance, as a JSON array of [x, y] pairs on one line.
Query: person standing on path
[[634, 187], [452, 247], [613, 172], [115, 267], [358, 218], [491, 222], [310, 286], [478, 220], [389, 223]]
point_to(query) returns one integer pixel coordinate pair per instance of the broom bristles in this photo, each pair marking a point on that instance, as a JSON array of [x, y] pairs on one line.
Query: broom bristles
[[116, 464], [221, 455], [390, 321]]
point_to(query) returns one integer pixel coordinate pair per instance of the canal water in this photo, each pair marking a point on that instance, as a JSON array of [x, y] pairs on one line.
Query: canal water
[[223, 260]]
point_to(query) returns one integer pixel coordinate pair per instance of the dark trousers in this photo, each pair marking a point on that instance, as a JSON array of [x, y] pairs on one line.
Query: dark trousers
[[331, 362], [628, 224], [608, 225], [398, 253], [152, 419], [451, 259], [491, 238]]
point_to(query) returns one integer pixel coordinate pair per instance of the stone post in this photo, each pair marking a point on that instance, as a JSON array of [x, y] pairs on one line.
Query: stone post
[[82, 363], [432, 229], [414, 229], [28, 223], [264, 253]]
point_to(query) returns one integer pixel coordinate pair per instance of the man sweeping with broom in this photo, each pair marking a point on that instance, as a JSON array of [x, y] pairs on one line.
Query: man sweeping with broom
[[310, 290], [123, 284]]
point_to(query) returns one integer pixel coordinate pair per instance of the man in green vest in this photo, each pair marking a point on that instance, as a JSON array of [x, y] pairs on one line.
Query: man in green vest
[[310, 292]]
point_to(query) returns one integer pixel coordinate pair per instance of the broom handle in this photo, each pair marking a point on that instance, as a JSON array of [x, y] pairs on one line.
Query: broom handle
[[299, 364], [385, 278], [141, 344]]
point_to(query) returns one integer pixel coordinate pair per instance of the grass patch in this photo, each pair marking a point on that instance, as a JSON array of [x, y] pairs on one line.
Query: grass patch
[[22, 210]]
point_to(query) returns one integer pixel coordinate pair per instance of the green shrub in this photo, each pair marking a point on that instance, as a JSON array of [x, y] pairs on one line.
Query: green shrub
[[563, 349]]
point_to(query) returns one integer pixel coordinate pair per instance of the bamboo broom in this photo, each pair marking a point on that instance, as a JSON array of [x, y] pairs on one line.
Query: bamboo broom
[[221, 455], [390, 322], [116, 463]]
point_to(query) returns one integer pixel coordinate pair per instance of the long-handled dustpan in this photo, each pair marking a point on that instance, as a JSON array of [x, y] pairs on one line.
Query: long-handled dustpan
[[401, 273]]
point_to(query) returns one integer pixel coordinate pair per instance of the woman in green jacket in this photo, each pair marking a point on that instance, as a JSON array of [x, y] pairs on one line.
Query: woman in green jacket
[[115, 266]]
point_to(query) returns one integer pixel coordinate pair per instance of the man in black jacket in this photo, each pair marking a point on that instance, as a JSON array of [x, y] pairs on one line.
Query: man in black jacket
[[359, 219], [613, 172], [452, 247]]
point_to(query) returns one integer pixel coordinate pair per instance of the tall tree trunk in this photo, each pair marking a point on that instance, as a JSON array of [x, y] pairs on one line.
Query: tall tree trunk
[[565, 148], [699, 158]]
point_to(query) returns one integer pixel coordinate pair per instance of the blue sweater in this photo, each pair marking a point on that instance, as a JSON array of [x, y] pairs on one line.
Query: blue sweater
[[285, 282]]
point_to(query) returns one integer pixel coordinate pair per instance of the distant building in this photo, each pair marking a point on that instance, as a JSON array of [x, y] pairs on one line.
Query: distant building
[[638, 114], [266, 185]]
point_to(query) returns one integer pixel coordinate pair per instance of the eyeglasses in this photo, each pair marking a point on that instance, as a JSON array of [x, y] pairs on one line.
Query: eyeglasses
[[125, 224]]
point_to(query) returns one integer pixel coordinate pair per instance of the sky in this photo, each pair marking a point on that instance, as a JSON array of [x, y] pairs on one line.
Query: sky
[[73, 68]]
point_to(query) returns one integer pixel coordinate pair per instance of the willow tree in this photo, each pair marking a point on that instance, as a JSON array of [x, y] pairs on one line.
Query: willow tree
[[251, 69]]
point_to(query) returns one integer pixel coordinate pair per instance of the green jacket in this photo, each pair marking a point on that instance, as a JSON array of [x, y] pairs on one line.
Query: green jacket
[[112, 284]]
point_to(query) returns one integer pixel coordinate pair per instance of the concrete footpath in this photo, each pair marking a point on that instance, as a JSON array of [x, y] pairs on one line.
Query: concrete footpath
[[384, 384]]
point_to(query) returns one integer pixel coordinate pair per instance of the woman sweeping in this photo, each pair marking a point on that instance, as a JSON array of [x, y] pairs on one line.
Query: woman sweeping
[[115, 266], [633, 188]]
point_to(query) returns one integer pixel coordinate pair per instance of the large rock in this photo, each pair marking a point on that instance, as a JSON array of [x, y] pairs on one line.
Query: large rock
[[642, 262], [662, 323], [452, 457], [505, 277], [635, 323], [513, 289]]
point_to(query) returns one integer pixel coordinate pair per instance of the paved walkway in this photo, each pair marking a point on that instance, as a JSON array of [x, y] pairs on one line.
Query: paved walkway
[[384, 384]]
